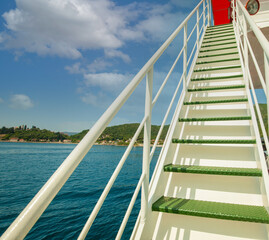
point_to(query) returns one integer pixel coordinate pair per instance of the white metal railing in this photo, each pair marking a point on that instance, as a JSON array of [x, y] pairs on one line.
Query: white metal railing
[[28, 217], [243, 24]]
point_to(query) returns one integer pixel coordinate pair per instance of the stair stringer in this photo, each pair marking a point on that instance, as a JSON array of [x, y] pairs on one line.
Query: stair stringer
[[141, 229]]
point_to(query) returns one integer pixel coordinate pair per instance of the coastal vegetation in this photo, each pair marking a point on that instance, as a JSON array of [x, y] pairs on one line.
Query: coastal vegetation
[[114, 135]]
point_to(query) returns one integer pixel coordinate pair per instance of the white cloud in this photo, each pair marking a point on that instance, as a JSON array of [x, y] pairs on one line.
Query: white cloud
[[1, 100], [98, 64], [67, 27], [62, 27], [20, 101], [112, 53], [75, 68], [107, 81]]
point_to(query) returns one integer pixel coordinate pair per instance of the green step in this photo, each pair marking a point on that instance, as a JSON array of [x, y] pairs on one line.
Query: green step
[[221, 26], [215, 88], [219, 44], [213, 141], [228, 211], [219, 61], [214, 119], [226, 35], [216, 68], [220, 40], [217, 49], [216, 78], [219, 32], [216, 101], [218, 55], [251, 172]]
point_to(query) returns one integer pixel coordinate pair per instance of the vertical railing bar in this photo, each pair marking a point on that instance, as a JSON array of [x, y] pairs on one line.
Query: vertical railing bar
[[167, 77], [266, 70], [194, 47], [146, 146], [259, 113], [245, 50], [191, 32], [262, 80], [185, 57], [112, 179], [197, 29], [164, 120], [130, 208]]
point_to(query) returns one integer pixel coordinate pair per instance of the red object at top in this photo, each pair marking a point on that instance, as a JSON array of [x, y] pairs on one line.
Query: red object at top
[[221, 11]]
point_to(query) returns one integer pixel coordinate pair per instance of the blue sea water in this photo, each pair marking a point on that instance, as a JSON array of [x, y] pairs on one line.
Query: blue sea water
[[25, 167]]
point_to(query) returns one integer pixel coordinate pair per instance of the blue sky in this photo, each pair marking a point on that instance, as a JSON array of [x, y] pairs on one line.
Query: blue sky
[[63, 62]]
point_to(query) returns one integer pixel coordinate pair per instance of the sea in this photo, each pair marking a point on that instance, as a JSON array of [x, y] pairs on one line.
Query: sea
[[25, 168]]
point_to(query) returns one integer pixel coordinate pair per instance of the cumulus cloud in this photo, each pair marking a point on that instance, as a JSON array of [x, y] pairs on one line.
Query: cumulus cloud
[[20, 101], [112, 53], [62, 27], [107, 81], [1, 100], [68, 27]]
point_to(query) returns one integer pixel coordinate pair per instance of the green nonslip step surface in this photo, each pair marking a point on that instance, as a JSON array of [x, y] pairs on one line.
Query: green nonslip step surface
[[213, 141], [220, 26], [219, 32], [228, 211], [216, 78], [217, 101], [219, 61], [218, 55], [218, 44], [214, 119], [217, 49], [249, 172], [216, 68], [215, 88], [225, 35], [220, 40]]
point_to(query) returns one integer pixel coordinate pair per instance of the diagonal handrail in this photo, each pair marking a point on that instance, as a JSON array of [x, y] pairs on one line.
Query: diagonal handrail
[[28, 217]]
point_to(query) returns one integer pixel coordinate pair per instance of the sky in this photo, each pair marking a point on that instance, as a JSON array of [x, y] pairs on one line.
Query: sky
[[63, 62]]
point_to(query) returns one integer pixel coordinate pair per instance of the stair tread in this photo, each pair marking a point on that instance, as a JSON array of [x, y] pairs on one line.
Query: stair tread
[[214, 119], [216, 78], [237, 212], [220, 40], [219, 32], [214, 141], [219, 61], [218, 44], [215, 88], [255, 172], [217, 101], [217, 49], [217, 68], [225, 35], [217, 55]]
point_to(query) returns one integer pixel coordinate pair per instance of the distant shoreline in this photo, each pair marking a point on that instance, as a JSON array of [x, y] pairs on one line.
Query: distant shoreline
[[140, 145]]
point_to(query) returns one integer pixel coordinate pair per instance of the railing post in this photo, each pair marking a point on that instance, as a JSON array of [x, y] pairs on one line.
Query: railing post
[[185, 57], [203, 13], [198, 30], [146, 145], [209, 13], [245, 34], [266, 69]]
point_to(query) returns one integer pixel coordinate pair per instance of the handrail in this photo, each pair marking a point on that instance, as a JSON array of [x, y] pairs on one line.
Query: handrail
[[242, 19], [28, 217]]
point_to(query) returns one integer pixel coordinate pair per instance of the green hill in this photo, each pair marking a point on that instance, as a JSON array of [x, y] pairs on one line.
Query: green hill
[[122, 134]]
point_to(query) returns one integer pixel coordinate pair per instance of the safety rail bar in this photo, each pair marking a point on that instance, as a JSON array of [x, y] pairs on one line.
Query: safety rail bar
[[28, 217], [242, 20]]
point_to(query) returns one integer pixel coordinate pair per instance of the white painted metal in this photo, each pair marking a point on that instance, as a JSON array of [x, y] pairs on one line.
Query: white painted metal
[[24, 222], [146, 146]]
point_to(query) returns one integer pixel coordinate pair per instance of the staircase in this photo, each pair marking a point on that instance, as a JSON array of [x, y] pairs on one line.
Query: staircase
[[210, 184]]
